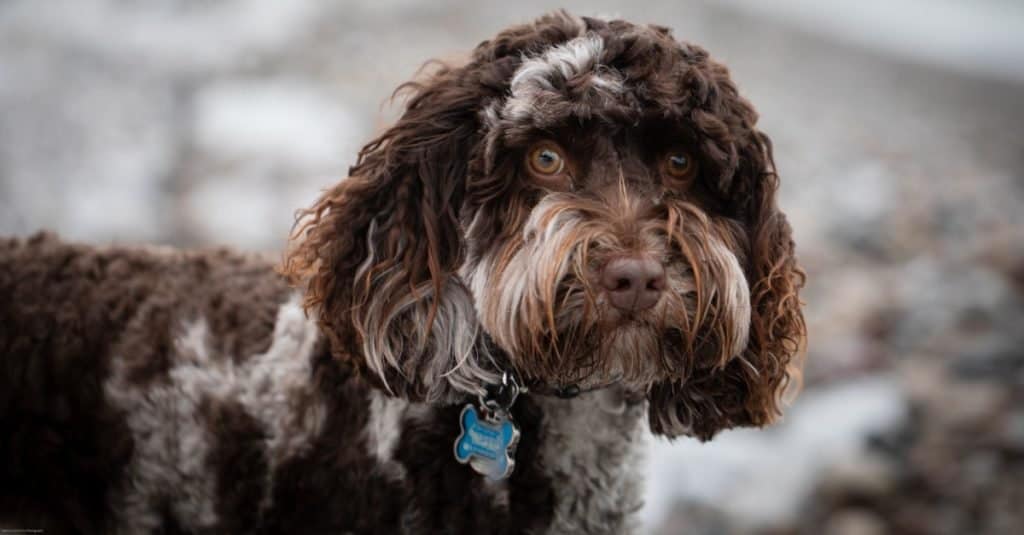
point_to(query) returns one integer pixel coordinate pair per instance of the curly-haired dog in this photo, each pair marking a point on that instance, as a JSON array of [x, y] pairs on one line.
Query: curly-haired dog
[[584, 213]]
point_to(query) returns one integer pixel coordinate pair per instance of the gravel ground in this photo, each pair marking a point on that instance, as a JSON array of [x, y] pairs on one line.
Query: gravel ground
[[195, 122]]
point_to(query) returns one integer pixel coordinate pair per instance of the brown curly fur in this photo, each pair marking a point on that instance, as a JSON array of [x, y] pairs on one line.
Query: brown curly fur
[[152, 390]]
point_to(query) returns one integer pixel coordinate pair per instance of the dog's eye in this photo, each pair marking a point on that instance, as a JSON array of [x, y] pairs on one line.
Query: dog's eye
[[546, 160], [679, 164]]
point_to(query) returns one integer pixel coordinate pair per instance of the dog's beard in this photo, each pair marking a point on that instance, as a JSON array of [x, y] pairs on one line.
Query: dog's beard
[[538, 296]]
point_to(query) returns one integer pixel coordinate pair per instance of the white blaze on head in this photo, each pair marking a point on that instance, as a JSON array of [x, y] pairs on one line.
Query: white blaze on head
[[536, 76]]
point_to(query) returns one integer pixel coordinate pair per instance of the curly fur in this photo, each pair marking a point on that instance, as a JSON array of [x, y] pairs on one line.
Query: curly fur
[[437, 208], [159, 391]]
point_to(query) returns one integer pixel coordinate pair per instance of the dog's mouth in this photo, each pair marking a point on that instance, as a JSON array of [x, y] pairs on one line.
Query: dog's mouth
[[579, 339], [654, 319], [626, 349]]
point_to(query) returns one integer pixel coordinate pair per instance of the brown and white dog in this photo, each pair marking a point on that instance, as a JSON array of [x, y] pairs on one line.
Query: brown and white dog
[[585, 206]]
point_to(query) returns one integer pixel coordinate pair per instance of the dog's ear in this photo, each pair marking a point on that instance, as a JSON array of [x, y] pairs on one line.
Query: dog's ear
[[377, 254], [747, 389]]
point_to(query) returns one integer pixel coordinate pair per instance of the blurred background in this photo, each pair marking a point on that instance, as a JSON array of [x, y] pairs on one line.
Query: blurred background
[[899, 133]]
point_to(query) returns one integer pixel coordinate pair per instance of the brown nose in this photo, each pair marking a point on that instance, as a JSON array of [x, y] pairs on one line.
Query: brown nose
[[633, 283]]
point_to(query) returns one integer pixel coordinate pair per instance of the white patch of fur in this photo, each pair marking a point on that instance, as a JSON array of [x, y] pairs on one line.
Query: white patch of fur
[[592, 450], [567, 59], [384, 428], [536, 76], [735, 296], [489, 116], [272, 381], [397, 328], [384, 425], [171, 442], [503, 298]]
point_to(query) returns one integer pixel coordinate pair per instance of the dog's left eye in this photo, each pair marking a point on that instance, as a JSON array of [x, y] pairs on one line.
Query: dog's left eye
[[546, 160]]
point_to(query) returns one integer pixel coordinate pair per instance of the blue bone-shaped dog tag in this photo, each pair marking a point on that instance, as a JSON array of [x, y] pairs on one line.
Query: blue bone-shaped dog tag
[[487, 446]]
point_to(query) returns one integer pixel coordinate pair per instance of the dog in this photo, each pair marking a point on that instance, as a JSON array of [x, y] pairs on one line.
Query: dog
[[574, 232]]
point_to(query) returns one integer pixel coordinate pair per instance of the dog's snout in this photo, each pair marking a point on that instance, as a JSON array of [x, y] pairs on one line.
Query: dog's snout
[[633, 283]]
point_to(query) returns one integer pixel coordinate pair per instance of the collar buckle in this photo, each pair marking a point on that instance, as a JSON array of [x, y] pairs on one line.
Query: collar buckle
[[500, 397]]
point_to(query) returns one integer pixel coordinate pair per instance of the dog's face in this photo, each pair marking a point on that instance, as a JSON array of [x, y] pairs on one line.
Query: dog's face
[[585, 202], [607, 256]]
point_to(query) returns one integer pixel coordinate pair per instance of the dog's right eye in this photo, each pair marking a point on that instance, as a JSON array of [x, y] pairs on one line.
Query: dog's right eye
[[546, 160], [679, 164]]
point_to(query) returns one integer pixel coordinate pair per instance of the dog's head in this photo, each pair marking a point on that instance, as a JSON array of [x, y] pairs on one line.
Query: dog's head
[[586, 202]]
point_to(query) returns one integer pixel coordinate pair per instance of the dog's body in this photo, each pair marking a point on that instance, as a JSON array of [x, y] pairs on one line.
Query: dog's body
[[166, 392], [586, 207]]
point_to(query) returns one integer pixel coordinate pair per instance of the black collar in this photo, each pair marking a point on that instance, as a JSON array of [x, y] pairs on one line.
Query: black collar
[[513, 383]]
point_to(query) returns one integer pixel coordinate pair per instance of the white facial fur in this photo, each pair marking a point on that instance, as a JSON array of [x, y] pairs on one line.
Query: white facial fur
[[516, 288]]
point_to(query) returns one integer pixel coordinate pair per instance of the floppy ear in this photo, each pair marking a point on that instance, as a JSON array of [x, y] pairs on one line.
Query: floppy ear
[[746, 390], [377, 254]]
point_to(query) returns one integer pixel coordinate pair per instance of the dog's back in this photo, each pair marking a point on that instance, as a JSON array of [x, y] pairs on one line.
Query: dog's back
[[80, 328], [161, 391]]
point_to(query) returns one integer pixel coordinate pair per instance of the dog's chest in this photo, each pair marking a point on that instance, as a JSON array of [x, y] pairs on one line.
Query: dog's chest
[[585, 451], [591, 448]]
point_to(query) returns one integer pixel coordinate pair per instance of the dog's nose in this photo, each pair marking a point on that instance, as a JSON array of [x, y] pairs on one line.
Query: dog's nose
[[633, 283]]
